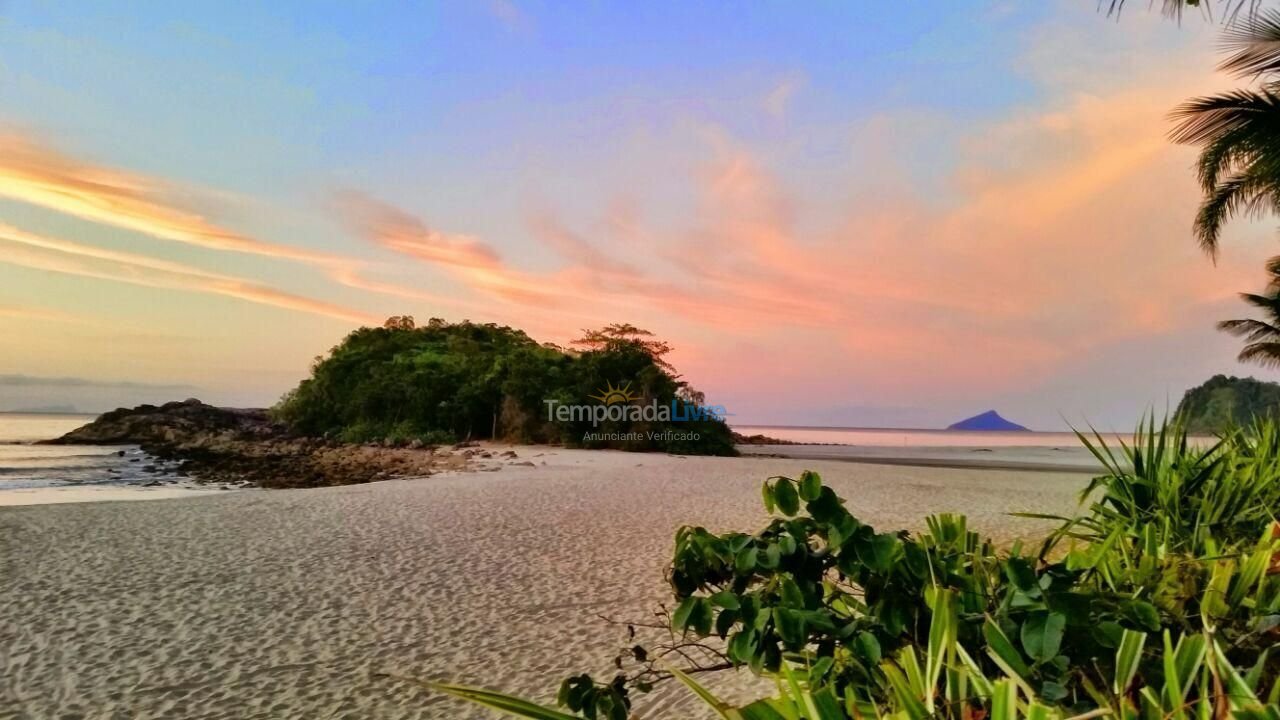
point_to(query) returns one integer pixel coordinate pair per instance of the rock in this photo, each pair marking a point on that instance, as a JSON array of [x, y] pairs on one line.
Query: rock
[[232, 446], [525, 463], [465, 444], [171, 422]]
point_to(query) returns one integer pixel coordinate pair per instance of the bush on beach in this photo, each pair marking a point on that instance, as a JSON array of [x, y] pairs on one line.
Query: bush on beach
[[1161, 600]]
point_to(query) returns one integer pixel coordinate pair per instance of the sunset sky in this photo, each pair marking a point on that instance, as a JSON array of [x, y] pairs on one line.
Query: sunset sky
[[854, 214]]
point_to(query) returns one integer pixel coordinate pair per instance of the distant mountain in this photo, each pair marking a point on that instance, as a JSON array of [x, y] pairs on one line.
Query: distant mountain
[[45, 410], [1224, 401], [989, 420]]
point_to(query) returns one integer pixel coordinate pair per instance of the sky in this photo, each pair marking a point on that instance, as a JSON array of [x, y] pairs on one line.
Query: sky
[[872, 214]]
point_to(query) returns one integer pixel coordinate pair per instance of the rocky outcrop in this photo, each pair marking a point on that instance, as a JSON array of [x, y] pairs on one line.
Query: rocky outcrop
[[245, 446], [740, 439], [173, 423]]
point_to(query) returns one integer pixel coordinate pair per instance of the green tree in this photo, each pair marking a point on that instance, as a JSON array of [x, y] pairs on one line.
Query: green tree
[[1238, 131], [448, 381]]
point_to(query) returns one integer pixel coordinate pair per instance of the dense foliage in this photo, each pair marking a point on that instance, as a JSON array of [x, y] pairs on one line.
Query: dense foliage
[[1161, 600], [445, 381], [1224, 402]]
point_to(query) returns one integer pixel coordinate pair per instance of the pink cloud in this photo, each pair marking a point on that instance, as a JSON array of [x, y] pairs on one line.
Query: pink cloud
[[53, 255], [35, 174]]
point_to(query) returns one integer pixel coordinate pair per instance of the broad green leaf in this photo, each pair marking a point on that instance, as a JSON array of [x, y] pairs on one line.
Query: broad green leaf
[[680, 618], [742, 646], [726, 599], [784, 493], [790, 626], [1141, 615], [868, 647], [766, 493], [772, 557], [1042, 634], [745, 562], [810, 485]]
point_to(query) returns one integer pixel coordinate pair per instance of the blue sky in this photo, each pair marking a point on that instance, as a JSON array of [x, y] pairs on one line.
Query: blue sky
[[819, 190]]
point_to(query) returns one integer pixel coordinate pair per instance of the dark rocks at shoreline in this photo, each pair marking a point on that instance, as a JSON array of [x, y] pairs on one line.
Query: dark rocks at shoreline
[[233, 445], [174, 422], [740, 439]]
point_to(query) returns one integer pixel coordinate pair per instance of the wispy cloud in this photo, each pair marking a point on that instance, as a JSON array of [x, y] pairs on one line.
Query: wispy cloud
[[26, 312], [512, 17], [36, 174], [778, 99], [62, 256], [1055, 239]]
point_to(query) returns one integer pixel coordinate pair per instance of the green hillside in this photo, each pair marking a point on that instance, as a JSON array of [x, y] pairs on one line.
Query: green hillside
[[1224, 401]]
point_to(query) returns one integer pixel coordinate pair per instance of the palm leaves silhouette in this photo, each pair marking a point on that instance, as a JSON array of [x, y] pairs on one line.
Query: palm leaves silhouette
[[1262, 337], [1238, 131]]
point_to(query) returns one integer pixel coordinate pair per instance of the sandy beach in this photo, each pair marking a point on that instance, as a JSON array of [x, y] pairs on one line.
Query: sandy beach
[[287, 604]]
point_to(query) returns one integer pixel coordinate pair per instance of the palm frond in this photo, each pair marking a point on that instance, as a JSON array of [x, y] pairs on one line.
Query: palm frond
[[1254, 43], [1251, 330], [1205, 119], [1266, 354], [1173, 8], [1230, 197]]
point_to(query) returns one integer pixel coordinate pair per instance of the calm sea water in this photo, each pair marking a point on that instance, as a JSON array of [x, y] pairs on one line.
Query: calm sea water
[[948, 448], [888, 437], [26, 465]]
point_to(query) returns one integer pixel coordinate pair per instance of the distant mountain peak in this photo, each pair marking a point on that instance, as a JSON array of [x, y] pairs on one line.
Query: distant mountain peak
[[989, 420]]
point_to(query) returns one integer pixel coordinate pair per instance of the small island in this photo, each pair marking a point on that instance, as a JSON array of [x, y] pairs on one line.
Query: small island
[[987, 421]]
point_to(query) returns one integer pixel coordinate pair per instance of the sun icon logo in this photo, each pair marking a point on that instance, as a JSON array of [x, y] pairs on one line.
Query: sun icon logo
[[612, 395]]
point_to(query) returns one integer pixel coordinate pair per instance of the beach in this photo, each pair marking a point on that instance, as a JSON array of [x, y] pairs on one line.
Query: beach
[[292, 603]]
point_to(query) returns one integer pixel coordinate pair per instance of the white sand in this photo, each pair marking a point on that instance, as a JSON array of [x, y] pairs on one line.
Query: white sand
[[283, 604]]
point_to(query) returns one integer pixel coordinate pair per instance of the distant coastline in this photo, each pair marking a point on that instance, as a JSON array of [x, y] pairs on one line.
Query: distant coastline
[[61, 411]]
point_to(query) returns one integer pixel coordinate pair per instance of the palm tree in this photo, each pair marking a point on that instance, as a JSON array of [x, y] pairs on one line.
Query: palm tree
[[1262, 336], [1174, 8], [1238, 131]]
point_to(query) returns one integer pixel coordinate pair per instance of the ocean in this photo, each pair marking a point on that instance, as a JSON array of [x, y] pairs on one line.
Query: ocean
[[1058, 451], [890, 437], [30, 468], [27, 466]]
